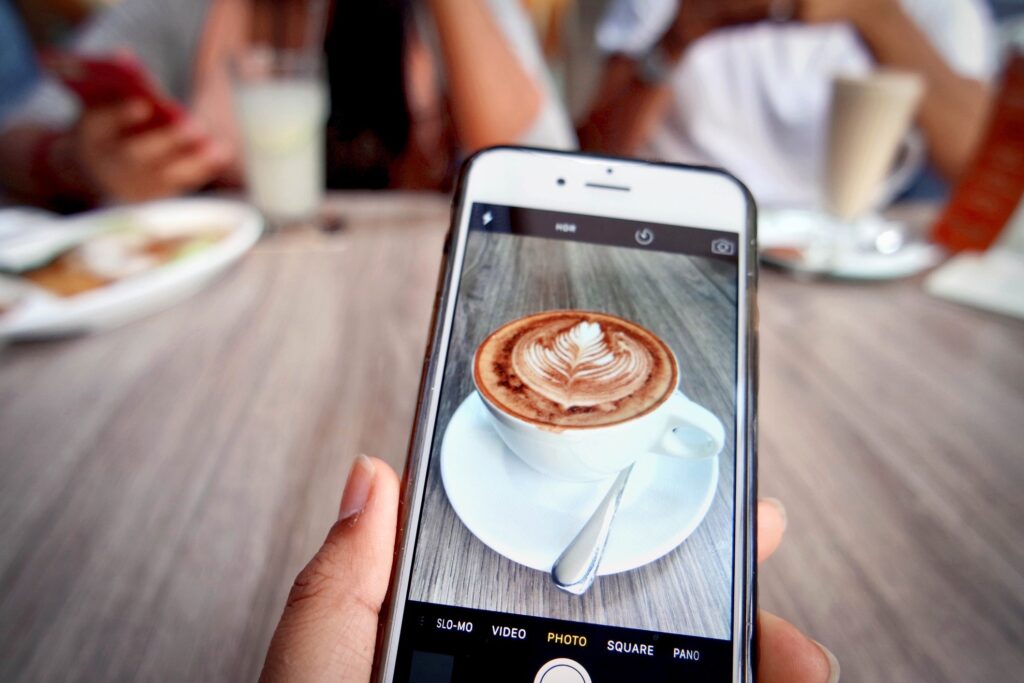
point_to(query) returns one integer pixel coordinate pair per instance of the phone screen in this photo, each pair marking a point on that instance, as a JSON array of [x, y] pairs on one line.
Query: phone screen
[[581, 346]]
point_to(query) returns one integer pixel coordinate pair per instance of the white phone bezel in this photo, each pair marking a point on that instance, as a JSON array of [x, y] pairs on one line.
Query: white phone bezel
[[557, 181]]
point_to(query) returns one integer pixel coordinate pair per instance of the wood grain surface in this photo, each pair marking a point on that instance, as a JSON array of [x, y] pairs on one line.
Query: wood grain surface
[[688, 302], [161, 484]]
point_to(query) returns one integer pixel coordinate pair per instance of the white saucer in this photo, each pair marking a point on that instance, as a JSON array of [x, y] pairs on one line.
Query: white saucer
[[530, 518], [805, 241]]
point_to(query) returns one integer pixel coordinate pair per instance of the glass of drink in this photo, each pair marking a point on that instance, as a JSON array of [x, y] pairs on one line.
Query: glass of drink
[[869, 119], [280, 99]]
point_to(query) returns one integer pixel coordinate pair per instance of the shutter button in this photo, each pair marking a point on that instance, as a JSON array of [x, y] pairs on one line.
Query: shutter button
[[562, 671]]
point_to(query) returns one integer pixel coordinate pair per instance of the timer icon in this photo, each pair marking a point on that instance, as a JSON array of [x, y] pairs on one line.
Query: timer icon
[[644, 236]]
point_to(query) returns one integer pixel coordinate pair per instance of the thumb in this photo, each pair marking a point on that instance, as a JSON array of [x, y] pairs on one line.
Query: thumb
[[788, 656], [329, 626]]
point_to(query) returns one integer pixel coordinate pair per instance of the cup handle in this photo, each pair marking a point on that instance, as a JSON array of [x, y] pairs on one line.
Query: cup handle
[[703, 435], [910, 162]]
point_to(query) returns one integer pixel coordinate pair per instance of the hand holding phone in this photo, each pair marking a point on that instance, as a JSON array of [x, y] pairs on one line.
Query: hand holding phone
[[329, 627], [133, 141]]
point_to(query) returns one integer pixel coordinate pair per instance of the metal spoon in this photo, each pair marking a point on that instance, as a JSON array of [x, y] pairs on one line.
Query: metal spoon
[[575, 569]]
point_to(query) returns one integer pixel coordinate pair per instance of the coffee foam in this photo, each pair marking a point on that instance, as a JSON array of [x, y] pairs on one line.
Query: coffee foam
[[580, 366], [574, 369]]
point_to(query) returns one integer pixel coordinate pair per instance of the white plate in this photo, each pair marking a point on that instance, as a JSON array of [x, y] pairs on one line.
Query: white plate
[[530, 518], [805, 241], [38, 314]]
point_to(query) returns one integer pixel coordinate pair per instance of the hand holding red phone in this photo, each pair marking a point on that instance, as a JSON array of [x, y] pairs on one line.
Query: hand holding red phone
[[133, 141], [329, 627], [130, 159]]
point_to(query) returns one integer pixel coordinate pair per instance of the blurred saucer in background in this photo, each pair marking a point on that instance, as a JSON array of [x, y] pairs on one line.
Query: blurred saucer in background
[[817, 243]]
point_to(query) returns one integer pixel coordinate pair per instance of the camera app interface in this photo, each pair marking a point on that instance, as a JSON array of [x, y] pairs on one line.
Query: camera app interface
[[577, 523]]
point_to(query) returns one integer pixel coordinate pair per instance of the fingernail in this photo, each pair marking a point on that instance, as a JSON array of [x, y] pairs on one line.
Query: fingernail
[[220, 152], [833, 663], [357, 489], [138, 109], [191, 130], [777, 504]]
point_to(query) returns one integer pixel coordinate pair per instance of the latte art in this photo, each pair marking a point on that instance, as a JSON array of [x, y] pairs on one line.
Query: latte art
[[574, 369], [582, 365]]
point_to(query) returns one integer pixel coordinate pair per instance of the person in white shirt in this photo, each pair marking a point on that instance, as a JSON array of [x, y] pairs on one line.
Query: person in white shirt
[[746, 84]]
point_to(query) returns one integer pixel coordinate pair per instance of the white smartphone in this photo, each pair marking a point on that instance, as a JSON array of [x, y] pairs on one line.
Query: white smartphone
[[580, 493]]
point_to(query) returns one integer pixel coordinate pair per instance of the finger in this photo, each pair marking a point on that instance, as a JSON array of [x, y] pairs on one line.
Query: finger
[[329, 626], [771, 525], [194, 168], [125, 114], [787, 656], [158, 143], [108, 122], [132, 112]]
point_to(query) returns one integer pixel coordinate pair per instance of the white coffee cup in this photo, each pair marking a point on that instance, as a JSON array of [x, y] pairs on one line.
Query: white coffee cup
[[678, 427]]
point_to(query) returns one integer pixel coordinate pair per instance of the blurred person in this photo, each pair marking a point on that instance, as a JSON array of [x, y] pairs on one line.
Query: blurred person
[[712, 82], [414, 87], [329, 628]]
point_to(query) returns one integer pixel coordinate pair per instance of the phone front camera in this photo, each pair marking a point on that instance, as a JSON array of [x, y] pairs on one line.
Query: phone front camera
[[610, 171], [561, 181]]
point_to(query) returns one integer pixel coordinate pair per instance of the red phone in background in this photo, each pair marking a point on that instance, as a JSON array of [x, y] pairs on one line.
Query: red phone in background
[[108, 79]]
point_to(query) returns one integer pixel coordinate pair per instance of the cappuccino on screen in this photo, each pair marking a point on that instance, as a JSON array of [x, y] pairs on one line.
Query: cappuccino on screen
[[574, 369]]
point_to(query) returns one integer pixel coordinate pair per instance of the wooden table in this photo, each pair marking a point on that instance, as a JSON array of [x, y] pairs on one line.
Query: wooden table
[[161, 484]]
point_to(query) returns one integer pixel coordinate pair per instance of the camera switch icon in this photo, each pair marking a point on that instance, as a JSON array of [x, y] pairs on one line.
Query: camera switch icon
[[723, 247], [644, 236]]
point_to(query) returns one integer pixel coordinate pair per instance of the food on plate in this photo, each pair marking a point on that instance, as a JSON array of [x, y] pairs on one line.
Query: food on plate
[[116, 254], [65, 276]]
